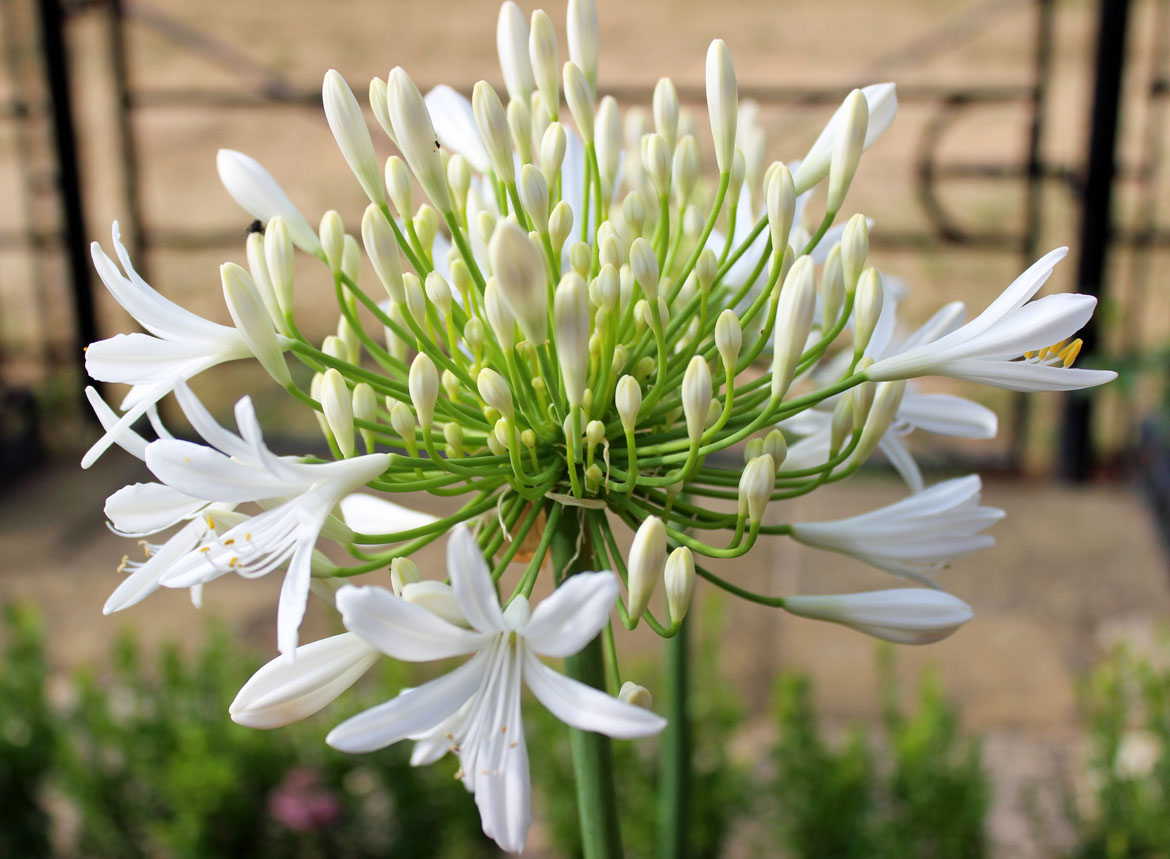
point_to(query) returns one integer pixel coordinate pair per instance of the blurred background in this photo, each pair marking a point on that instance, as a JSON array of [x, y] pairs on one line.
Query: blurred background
[[1041, 729]]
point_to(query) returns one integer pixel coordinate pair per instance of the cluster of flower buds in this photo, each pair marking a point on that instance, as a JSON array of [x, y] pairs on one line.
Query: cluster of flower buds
[[577, 321]]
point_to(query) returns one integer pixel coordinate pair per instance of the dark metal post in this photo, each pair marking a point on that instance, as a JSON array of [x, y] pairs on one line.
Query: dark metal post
[[1076, 449], [68, 176]]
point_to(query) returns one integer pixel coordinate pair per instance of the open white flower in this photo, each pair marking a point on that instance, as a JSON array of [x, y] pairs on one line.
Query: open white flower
[[475, 710], [914, 537], [1007, 345], [240, 468]]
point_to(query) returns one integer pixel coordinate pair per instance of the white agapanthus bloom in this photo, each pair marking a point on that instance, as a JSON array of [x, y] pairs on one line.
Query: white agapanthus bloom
[[180, 344], [1007, 346], [239, 468], [475, 710], [914, 537]]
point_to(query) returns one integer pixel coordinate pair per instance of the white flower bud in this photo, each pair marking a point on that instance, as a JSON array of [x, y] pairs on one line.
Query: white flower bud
[[542, 53], [756, 485], [500, 318], [579, 97], [738, 173], [382, 249], [458, 179], [512, 47], [571, 315], [696, 396], [416, 302], [752, 449], [900, 615], [644, 267], [335, 347], [656, 162], [728, 338], [403, 572], [646, 563], [781, 200], [608, 140], [352, 136], [580, 255], [439, 293], [882, 104], [521, 274], [794, 316], [776, 446], [832, 287], [252, 320], [552, 152], [594, 433], [258, 267], [349, 338], [426, 225], [886, 400], [285, 691], [403, 423], [634, 211], [416, 137], [337, 404], [400, 186], [436, 597], [351, 258], [584, 41], [258, 194], [534, 196], [453, 433], [278, 254], [685, 168], [628, 399], [492, 122], [423, 383], [847, 149], [520, 127], [862, 397], [841, 427], [380, 105], [607, 286], [639, 696], [706, 268], [665, 109], [495, 392], [867, 307], [854, 249], [365, 408], [395, 344], [333, 239], [722, 102], [560, 225], [679, 579], [473, 333]]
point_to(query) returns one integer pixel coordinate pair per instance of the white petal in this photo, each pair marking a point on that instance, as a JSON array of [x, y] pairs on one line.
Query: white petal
[[415, 711], [472, 581], [1022, 376], [368, 514], [144, 581], [294, 592], [205, 473], [258, 194], [902, 460], [127, 439], [283, 692], [147, 508], [455, 124], [123, 423], [402, 630], [208, 427], [573, 615], [947, 414], [503, 792], [587, 708]]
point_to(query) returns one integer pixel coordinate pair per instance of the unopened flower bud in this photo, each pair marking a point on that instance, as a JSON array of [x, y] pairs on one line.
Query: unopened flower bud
[[552, 152], [867, 307], [278, 254], [645, 367], [439, 293], [495, 392], [752, 449], [492, 122], [379, 104], [258, 194], [628, 399], [534, 196], [403, 423], [737, 175], [595, 433], [841, 427], [847, 149], [722, 102], [512, 46], [665, 106], [854, 248], [403, 572], [453, 435], [332, 236], [495, 446], [901, 615], [728, 338], [382, 250], [706, 268], [794, 316], [337, 404], [755, 487], [560, 225], [685, 169], [571, 316], [862, 400], [832, 287], [656, 162], [776, 446], [646, 563], [258, 268], [781, 200], [582, 32], [349, 337], [252, 320], [579, 97], [459, 179], [520, 127], [639, 696], [580, 254], [644, 266], [416, 137], [365, 408], [634, 211], [423, 383], [519, 269], [542, 53], [335, 347], [416, 303], [499, 315], [400, 187], [353, 137], [679, 579], [608, 140], [696, 396], [886, 400]]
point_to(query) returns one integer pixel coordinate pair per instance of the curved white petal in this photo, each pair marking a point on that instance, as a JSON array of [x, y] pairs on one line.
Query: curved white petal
[[1021, 376], [115, 431], [147, 508], [587, 708], [573, 615], [902, 460], [202, 472], [401, 629], [283, 691], [258, 194], [454, 122], [472, 581], [947, 414], [368, 514], [415, 711], [144, 580], [127, 439]]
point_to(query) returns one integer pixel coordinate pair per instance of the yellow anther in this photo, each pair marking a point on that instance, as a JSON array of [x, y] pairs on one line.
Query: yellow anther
[[248, 536], [1070, 352], [1029, 355], [125, 561], [210, 522], [204, 548], [229, 541], [234, 561]]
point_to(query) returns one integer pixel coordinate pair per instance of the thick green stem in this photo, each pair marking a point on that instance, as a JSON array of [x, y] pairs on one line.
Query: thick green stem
[[592, 757], [674, 785]]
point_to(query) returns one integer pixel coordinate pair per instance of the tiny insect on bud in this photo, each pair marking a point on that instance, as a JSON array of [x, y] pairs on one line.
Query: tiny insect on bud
[[679, 580], [646, 563]]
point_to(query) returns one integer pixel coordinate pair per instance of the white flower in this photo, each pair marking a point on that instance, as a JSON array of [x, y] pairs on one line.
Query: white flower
[[180, 344], [901, 615], [914, 537], [258, 194], [240, 468], [986, 349], [475, 709], [368, 514], [882, 102]]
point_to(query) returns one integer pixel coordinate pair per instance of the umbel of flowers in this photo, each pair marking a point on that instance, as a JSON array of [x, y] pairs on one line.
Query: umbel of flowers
[[574, 327]]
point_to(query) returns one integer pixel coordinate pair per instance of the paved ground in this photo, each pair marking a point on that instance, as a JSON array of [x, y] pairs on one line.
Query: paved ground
[[1073, 571]]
